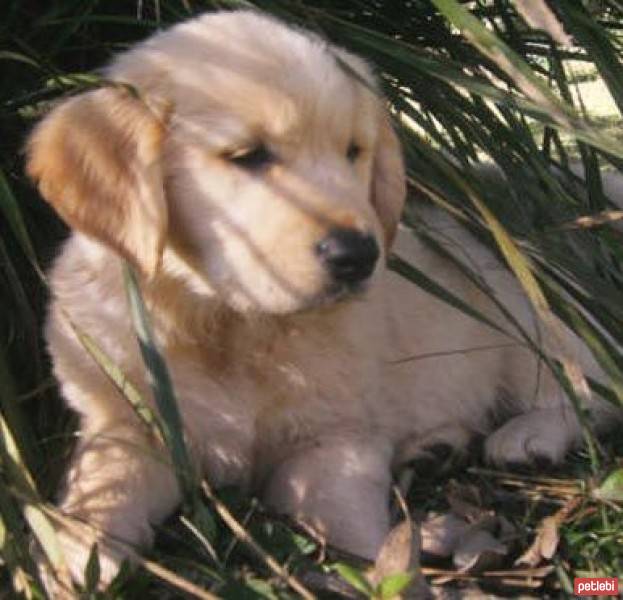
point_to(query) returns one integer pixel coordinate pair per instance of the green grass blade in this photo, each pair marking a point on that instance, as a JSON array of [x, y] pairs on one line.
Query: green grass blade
[[12, 412], [524, 77], [19, 57], [171, 421], [170, 418], [10, 208], [598, 43], [415, 275]]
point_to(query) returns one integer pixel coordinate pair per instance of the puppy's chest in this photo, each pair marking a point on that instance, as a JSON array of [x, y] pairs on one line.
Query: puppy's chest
[[288, 371]]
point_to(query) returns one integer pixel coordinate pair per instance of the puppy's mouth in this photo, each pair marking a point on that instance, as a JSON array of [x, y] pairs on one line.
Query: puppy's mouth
[[334, 294], [337, 292]]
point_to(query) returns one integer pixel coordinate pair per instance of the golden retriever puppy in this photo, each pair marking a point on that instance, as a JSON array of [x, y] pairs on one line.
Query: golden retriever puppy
[[255, 183]]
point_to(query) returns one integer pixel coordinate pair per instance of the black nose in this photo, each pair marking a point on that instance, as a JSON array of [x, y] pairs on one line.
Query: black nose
[[348, 254]]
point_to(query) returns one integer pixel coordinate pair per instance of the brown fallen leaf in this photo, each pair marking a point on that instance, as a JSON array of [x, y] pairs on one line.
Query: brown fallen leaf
[[472, 534], [479, 550], [473, 547], [400, 553], [441, 533], [544, 544], [547, 536]]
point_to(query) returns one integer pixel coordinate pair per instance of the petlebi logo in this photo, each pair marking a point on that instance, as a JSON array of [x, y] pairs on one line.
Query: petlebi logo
[[595, 586]]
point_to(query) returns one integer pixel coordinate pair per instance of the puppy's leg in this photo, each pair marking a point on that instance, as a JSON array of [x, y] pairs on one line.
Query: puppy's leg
[[341, 488], [546, 433], [118, 485]]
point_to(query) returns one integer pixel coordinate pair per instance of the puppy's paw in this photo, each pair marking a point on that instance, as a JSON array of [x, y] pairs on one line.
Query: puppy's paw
[[542, 436]]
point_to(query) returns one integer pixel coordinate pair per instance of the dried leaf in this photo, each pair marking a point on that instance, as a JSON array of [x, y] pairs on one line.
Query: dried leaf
[[547, 537], [479, 550], [399, 558], [400, 552], [441, 534], [544, 545], [471, 533]]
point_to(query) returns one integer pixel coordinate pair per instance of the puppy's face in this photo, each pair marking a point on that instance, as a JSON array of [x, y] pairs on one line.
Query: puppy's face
[[268, 184], [252, 154]]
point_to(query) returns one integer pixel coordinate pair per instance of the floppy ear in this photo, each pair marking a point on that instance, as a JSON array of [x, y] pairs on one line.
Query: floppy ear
[[388, 179], [97, 161]]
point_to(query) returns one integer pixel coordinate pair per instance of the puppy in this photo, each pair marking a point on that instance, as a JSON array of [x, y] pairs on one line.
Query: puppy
[[249, 173]]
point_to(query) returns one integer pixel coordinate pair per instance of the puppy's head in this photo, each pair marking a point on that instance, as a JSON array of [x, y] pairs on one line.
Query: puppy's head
[[253, 152]]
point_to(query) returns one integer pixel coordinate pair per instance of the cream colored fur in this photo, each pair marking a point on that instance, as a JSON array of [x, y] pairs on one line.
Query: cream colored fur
[[300, 396]]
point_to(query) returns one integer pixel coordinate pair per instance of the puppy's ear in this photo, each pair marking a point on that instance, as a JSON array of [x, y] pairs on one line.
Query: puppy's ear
[[97, 161], [388, 180]]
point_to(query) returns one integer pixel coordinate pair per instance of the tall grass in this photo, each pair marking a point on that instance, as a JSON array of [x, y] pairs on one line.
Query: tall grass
[[469, 82]]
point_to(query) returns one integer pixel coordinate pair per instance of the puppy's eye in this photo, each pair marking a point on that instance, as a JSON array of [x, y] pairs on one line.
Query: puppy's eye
[[353, 152], [252, 158]]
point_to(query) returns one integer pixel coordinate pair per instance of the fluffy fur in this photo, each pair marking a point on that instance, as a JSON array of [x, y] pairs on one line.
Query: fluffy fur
[[287, 387]]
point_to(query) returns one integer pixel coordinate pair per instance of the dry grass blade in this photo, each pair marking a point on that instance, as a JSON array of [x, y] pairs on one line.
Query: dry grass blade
[[31, 504], [562, 488], [246, 538], [538, 15], [596, 220], [116, 375], [158, 570], [574, 381], [520, 578], [175, 580]]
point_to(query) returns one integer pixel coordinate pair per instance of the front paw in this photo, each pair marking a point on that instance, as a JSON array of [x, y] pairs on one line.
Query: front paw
[[532, 438]]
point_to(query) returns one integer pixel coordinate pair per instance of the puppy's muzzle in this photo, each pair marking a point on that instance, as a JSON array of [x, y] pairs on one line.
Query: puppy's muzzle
[[348, 255]]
